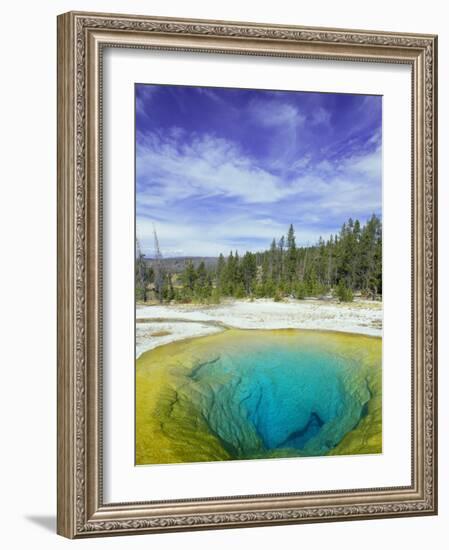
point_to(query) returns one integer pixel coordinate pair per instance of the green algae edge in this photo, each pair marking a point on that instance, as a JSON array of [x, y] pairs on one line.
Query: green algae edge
[[166, 419], [171, 429]]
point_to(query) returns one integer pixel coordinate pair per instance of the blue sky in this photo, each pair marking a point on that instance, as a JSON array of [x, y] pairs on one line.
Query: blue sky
[[220, 169]]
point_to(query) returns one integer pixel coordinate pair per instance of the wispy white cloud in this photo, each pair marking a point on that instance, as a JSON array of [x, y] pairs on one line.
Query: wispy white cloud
[[320, 116], [275, 112], [210, 93], [245, 206], [145, 98], [202, 166], [368, 165], [225, 168], [181, 238], [284, 122]]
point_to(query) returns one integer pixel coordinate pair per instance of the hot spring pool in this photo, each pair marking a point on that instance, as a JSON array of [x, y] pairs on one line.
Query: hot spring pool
[[259, 394]]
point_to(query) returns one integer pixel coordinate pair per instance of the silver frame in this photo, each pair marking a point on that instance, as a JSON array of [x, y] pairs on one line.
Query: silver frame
[[81, 40]]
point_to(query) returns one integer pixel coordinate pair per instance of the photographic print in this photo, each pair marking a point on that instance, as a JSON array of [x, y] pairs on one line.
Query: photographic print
[[258, 274]]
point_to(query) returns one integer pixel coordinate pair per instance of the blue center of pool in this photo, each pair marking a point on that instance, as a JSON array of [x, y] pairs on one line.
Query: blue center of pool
[[269, 400]]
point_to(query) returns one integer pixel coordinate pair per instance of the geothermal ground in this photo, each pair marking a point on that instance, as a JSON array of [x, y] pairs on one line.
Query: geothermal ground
[[158, 325]]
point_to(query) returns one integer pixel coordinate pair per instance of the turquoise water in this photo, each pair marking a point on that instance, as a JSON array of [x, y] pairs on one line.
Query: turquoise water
[[259, 394], [268, 398]]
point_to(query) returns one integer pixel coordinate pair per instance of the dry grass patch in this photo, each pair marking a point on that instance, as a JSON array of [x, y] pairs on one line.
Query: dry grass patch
[[158, 333]]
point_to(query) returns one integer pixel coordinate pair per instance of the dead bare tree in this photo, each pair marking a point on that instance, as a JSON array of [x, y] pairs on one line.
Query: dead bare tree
[[142, 272], [159, 274]]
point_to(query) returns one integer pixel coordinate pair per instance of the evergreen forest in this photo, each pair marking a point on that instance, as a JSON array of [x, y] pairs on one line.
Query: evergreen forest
[[346, 264]]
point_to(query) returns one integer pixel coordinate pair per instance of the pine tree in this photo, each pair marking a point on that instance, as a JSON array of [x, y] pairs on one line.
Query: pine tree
[[221, 268], [201, 275], [249, 271], [291, 255], [273, 255], [189, 277], [169, 289], [347, 262], [281, 246], [144, 275]]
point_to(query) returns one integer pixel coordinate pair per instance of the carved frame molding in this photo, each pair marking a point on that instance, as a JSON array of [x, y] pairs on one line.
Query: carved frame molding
[[81, 39]]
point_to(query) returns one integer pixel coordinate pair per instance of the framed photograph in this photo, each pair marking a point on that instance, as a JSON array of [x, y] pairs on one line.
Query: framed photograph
[[247, 282]]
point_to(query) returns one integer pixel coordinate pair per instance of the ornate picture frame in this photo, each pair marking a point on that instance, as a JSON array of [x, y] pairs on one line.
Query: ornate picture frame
[[82, 39]]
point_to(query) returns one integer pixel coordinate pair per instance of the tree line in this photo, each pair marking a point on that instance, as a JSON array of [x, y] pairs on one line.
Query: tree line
[[346, 263]]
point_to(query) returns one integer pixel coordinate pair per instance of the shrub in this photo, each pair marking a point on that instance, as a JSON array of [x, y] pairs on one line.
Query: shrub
[[300, 291], [215, 296], [344, 293]]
